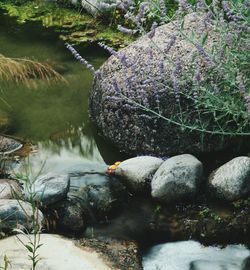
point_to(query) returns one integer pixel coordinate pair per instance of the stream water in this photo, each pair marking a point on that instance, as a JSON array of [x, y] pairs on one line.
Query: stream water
[[54, 117]]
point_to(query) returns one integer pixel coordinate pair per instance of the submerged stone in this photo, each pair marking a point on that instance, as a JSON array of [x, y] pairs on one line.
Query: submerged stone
[[93, 196]]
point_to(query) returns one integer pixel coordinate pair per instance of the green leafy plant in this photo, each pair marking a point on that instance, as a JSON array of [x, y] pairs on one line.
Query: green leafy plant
[[6, 263], [31, 240]]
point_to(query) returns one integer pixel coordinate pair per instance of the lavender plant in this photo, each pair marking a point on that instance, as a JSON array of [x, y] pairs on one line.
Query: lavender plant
[[216, 97]]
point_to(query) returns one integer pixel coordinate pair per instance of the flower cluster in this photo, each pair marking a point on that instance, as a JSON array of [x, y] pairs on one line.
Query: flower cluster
[[79, 57], [218, 101]]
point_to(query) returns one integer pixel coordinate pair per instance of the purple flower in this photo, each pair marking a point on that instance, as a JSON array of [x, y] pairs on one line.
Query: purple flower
[[163, 8], [80, 58], [171, 43], [204, 54], [174, 77], [151, 34], [107, 48], [184, 7], [230, 14], [126, 30], [201, 5]]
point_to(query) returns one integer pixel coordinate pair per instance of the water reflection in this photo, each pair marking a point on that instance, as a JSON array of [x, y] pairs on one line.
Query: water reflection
[[54, 117]]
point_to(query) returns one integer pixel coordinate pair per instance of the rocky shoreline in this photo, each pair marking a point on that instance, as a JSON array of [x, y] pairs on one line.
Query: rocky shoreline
[[144, 199]]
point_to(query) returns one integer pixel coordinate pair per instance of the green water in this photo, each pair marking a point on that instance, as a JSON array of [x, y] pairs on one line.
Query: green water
[[53, 117]]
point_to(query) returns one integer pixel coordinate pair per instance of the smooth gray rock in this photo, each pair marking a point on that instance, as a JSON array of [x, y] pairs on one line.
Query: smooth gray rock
[[10, 189], [17, 214], [9, 145], [137, 172], [231, 181], [177, 178], [50, 188], [56, 253]]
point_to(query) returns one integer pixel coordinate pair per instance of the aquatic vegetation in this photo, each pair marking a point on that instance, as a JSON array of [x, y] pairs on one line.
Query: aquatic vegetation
[[22, 70], [73, 25]]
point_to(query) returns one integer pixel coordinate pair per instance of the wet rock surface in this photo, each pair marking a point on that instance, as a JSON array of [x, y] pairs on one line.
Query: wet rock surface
[[50, 188], [231, 181], [93, 196], [177, 178], [18, 214], [138, 172]]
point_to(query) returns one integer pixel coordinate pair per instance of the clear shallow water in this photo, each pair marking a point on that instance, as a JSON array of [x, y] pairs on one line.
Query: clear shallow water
[[54, 117]]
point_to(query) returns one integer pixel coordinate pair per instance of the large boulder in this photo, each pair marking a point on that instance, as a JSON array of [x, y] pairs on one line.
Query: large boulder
[[138, 172], [138, 72], [177, 178], [231, 181], [55, 252]]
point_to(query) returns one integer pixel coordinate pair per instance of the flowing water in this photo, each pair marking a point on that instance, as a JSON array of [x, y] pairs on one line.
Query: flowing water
[[54, 117]]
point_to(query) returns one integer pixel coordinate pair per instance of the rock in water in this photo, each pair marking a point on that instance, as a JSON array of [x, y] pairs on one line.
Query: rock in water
[[137, 172], [55, 253], [50, 188], [9, 145], [15, 214], [231, 181], [177, 178], [190, 255]]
